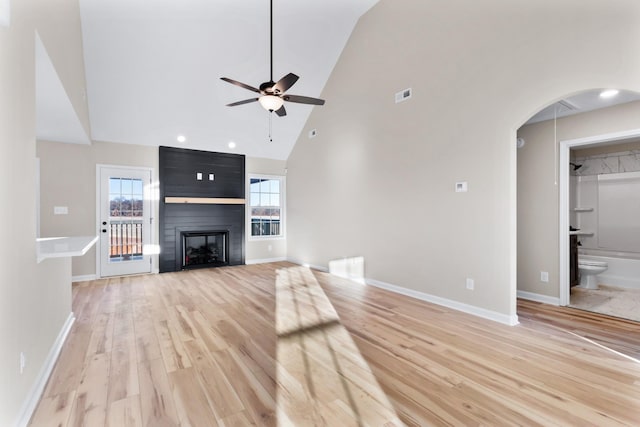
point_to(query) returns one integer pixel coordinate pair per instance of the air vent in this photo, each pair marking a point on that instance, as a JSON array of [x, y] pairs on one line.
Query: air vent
[[564, 105], [403, 95]]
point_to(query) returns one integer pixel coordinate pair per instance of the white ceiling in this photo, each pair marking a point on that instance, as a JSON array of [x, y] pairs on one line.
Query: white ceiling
[[153, 72], [56, 119], [153, 68], [581, 103]]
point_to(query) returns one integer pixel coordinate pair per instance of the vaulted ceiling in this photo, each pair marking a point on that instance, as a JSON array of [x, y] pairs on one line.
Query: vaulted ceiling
[[153, 70]]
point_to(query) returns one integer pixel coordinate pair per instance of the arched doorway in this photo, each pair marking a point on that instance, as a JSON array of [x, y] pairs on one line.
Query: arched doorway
[[544, 199]]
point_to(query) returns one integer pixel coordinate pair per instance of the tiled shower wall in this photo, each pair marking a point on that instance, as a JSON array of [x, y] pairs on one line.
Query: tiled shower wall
[[626, 161]]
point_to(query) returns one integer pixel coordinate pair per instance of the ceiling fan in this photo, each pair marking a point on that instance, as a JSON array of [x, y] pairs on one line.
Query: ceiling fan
[[272, 94]]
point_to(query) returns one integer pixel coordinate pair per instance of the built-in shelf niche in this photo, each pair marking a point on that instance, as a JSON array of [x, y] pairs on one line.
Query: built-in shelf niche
[[580, 233], [583, 209]]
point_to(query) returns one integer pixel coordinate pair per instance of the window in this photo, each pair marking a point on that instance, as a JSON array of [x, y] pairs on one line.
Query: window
[[266, 205]]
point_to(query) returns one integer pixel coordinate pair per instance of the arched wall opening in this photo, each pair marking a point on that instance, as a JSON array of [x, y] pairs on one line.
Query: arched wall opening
[[543, 180]]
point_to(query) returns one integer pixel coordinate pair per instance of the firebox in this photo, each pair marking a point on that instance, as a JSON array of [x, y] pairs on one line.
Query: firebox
[[204, 249]]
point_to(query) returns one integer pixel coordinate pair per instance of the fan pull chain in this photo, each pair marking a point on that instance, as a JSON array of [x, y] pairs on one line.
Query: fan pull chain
[[270, 138]]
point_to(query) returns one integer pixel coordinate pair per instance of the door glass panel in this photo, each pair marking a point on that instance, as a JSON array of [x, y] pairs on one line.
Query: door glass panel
[[125, 219], [137, 187]]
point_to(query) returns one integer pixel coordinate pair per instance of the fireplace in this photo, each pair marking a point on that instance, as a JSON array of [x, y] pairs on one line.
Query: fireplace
[[204, 249], [202, 209]]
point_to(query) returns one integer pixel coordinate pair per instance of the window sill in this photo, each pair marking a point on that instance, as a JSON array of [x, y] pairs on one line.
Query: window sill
[[259, 238]]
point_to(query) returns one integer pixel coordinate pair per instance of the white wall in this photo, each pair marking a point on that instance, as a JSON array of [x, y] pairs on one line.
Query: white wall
[[32, 309], [378, 180], [538, 245], [68, 178]]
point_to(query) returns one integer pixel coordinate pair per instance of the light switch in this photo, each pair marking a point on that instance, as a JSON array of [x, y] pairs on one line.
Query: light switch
[[461, 187], [199, 176], [211, 177], [60, 210]]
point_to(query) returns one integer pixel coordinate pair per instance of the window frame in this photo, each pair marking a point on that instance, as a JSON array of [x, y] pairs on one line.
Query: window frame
[[283, 214]]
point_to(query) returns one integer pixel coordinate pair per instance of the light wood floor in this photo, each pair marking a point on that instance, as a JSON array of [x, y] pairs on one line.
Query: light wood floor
[[208, 348]]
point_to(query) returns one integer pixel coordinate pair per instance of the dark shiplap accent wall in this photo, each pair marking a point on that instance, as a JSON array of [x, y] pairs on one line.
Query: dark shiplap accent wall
[[178, 168]]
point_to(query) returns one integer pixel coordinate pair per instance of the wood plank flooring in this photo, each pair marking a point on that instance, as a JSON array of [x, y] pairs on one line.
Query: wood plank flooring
[[202, 348], [614, 333], [442, 367], [323, 380]]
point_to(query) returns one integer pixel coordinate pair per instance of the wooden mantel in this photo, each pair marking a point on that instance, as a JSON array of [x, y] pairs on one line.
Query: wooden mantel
[[206, 200]]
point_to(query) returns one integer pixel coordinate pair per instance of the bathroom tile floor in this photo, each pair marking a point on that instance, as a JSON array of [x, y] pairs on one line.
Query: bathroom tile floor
[[619, 302]]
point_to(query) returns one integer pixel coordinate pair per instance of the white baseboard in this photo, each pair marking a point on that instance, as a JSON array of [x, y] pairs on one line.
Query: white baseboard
[[466, 308], [85, 278], [538, 298], [305, 264], [34, 394], [264, 260]]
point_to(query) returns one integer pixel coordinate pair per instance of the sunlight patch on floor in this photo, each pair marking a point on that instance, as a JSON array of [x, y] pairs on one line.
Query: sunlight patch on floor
[[322, 379]]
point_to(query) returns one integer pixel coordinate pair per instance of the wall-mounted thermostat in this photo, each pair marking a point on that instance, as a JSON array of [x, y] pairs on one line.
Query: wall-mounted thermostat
[[461, 187], [60, 210]]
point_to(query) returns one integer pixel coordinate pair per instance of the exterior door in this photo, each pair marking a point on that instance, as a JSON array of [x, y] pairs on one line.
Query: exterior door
[[125, 220]]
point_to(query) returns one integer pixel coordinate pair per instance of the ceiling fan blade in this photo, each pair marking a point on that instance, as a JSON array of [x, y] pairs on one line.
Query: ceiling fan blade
[[285, 83], [303, 99], [237, 83], [246, 101], [281, 111]]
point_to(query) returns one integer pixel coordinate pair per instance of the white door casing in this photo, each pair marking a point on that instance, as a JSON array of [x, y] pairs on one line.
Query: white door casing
[[124, 220], [563, 184]]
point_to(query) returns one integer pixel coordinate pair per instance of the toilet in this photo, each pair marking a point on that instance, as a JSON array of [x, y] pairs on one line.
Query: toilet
[[588, 270]]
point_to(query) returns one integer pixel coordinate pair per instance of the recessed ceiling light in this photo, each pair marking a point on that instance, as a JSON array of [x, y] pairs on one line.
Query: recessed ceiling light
[[232, 144], [182, 139], [609, 93]]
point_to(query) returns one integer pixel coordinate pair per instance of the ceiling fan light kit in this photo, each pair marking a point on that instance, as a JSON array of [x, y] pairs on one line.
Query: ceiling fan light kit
[[272, 94], [271, 102]]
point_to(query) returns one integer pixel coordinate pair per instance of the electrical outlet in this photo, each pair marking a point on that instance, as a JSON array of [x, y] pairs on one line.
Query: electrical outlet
[[470, 284], [23, 362], [544, 276]]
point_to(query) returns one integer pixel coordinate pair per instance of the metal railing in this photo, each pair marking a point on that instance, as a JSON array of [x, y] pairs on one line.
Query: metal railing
[[265, 228], [125, 239]]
